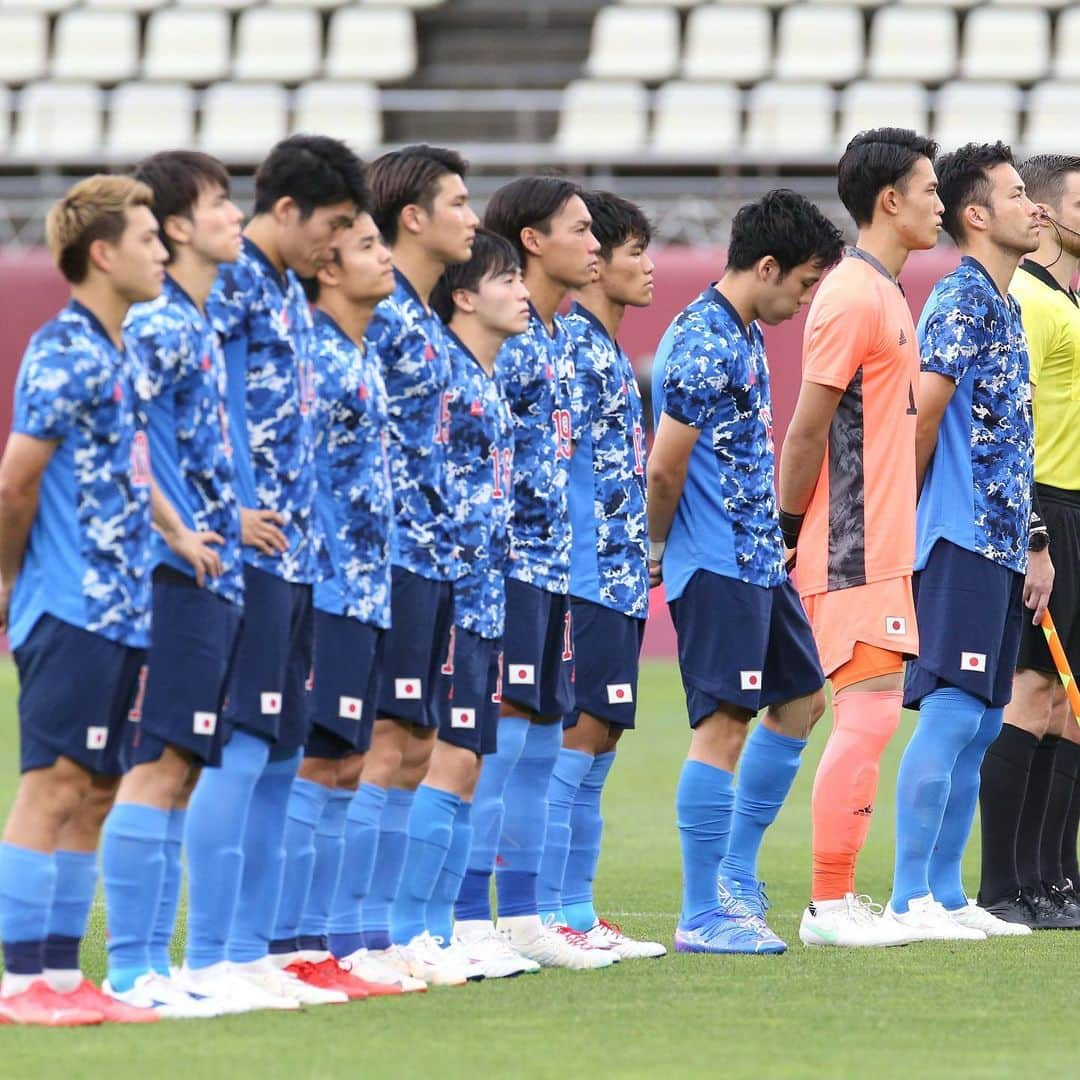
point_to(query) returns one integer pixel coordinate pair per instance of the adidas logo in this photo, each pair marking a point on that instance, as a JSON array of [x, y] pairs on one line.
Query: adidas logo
[[903, 337], [866, 811]]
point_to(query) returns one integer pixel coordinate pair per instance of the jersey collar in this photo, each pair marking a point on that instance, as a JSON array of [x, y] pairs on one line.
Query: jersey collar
[[467, 351], [854, 252], [579, 309], [1036, 270], [179, 293], [320, 316], [971, 261], [727, 305], [407, 285], [96, 325], [256, 252]]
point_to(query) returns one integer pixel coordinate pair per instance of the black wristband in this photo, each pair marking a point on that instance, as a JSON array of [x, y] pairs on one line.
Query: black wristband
[[1038, 533], [790, 527]]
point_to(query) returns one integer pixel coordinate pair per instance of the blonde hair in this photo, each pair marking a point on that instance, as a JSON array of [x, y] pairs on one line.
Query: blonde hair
[[94, 209]]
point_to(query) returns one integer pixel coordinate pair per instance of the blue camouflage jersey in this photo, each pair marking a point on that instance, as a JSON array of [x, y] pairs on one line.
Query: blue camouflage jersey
[[408, 339], [977, 491], [87, 559], [609, 558], [536, 369], [480, 470], [189, 428], [711, 373], [264, 322], [354, 503]]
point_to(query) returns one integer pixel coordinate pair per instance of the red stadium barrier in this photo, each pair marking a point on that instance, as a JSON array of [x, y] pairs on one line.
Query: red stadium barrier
[[31, 290]]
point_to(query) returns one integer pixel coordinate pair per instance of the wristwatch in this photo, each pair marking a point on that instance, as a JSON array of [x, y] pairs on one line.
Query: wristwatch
[[1038, 541]]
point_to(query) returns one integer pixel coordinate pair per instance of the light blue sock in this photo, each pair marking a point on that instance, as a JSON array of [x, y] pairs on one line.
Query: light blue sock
[[307, 801], [948, 721], [27, 881], [703, 804], [361, 839], [132, 871], [586, 832], [386, 874], [217, 820], [329, 850], [571, 768], [946, 880], [76, 883], [165, 923], [440, 919], [264, 859], [767, 770], [488, 806], [521, 845], [431, 827]]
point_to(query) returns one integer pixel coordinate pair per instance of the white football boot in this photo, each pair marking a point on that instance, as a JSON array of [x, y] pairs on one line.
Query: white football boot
[[855, 922], [154, 991], [609, 935], [552, 945], [977, 918], [221, 983], [926, 920], [491, 950], [371, 966], [424, 958]]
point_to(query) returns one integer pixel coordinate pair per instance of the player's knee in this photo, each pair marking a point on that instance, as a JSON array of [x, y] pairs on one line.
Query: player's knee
[[96, 804], [817, 706], [323, 771], [53, 794], [350, 772], [612, 740]]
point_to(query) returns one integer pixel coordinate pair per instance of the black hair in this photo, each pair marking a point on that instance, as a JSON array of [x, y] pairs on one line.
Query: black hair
[[409, 177], [787, 226], [529, 202], [492, 255], [963, 180], [312, 170], [177, 178], [875, 160], [615, 221], [1044, 177]]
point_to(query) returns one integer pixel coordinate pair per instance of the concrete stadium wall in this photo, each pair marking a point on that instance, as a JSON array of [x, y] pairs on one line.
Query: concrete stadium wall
[[31, 290]]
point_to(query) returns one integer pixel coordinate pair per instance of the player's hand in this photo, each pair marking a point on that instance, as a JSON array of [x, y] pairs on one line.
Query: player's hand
[[789, 558], [5, 604], [1038, 584], [259, 529], [194, 547], [656, 573]]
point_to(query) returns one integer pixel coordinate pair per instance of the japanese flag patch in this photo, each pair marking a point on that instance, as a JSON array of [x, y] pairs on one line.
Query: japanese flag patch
[[749, 680], [521, 674], [895, 625], [619, 693], [463, 718], [270, 703], [407, 689], [204, 723], [96, 738], [973, 661], [350, 708]]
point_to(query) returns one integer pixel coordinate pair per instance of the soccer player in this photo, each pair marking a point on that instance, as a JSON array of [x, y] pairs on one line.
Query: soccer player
[[421, 204], [306, 192], [75, 514], [847, 481], [546, 220], [714, 540], [609, 579], [483, 302], [974, 448], [1030, 800]]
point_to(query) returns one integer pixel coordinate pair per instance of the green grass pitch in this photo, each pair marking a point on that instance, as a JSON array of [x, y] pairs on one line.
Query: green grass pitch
[[993, 1009]]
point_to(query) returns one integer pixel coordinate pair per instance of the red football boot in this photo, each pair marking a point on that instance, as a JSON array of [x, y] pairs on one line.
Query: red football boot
[[371, 989], [328, 975], [39, 1004], [88, 996]]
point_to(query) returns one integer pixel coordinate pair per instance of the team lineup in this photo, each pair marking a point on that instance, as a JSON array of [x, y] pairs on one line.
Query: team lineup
[[326, 546]]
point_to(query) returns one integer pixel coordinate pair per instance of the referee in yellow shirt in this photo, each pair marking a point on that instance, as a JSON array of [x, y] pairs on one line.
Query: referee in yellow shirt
[[1030, 798]]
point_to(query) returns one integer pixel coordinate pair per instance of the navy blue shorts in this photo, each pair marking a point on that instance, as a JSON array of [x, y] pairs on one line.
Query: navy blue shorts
[[742, 645], [193, 639], [421, 614], [607, 646], [345, 685], [971, 614], [471, 676], [538, 650], [273, 657], [76, 689]]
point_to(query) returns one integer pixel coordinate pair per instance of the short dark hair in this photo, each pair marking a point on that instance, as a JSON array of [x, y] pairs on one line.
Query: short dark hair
[[177, 178], [492, 255], [875, 160], [616, 221], [1044, 177], [787, 226], [409, 177], [529, 202], [962, 180], [312, 170]]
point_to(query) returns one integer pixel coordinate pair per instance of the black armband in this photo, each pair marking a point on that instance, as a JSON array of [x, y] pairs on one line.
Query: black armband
[[1038, 534], [790, 527]]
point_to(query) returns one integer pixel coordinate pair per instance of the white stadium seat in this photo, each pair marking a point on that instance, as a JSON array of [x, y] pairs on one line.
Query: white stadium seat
[[762, 3], [817, 42], [59, 120], [1052, 109], [279, 44], [24, 45], [1046, 5], [1067, 53], [602, 118], [125, 5], [345, 110], [958, 5], [869, 104], [1006, 43], [634, 43], [977, 112], [102, 46], [416, 5], [225, 5], [913, 43], [791, 119], [731, 43], [852, 3], [47, 7], [147, 117], [241, 121], [696, 119], [188, 44], [376, 44], [661, 3]]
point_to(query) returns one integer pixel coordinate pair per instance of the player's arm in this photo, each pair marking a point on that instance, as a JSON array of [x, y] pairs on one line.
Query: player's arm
[[21, 468], [1039, 580], [191, 546], [665, 477], [935, 393]]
